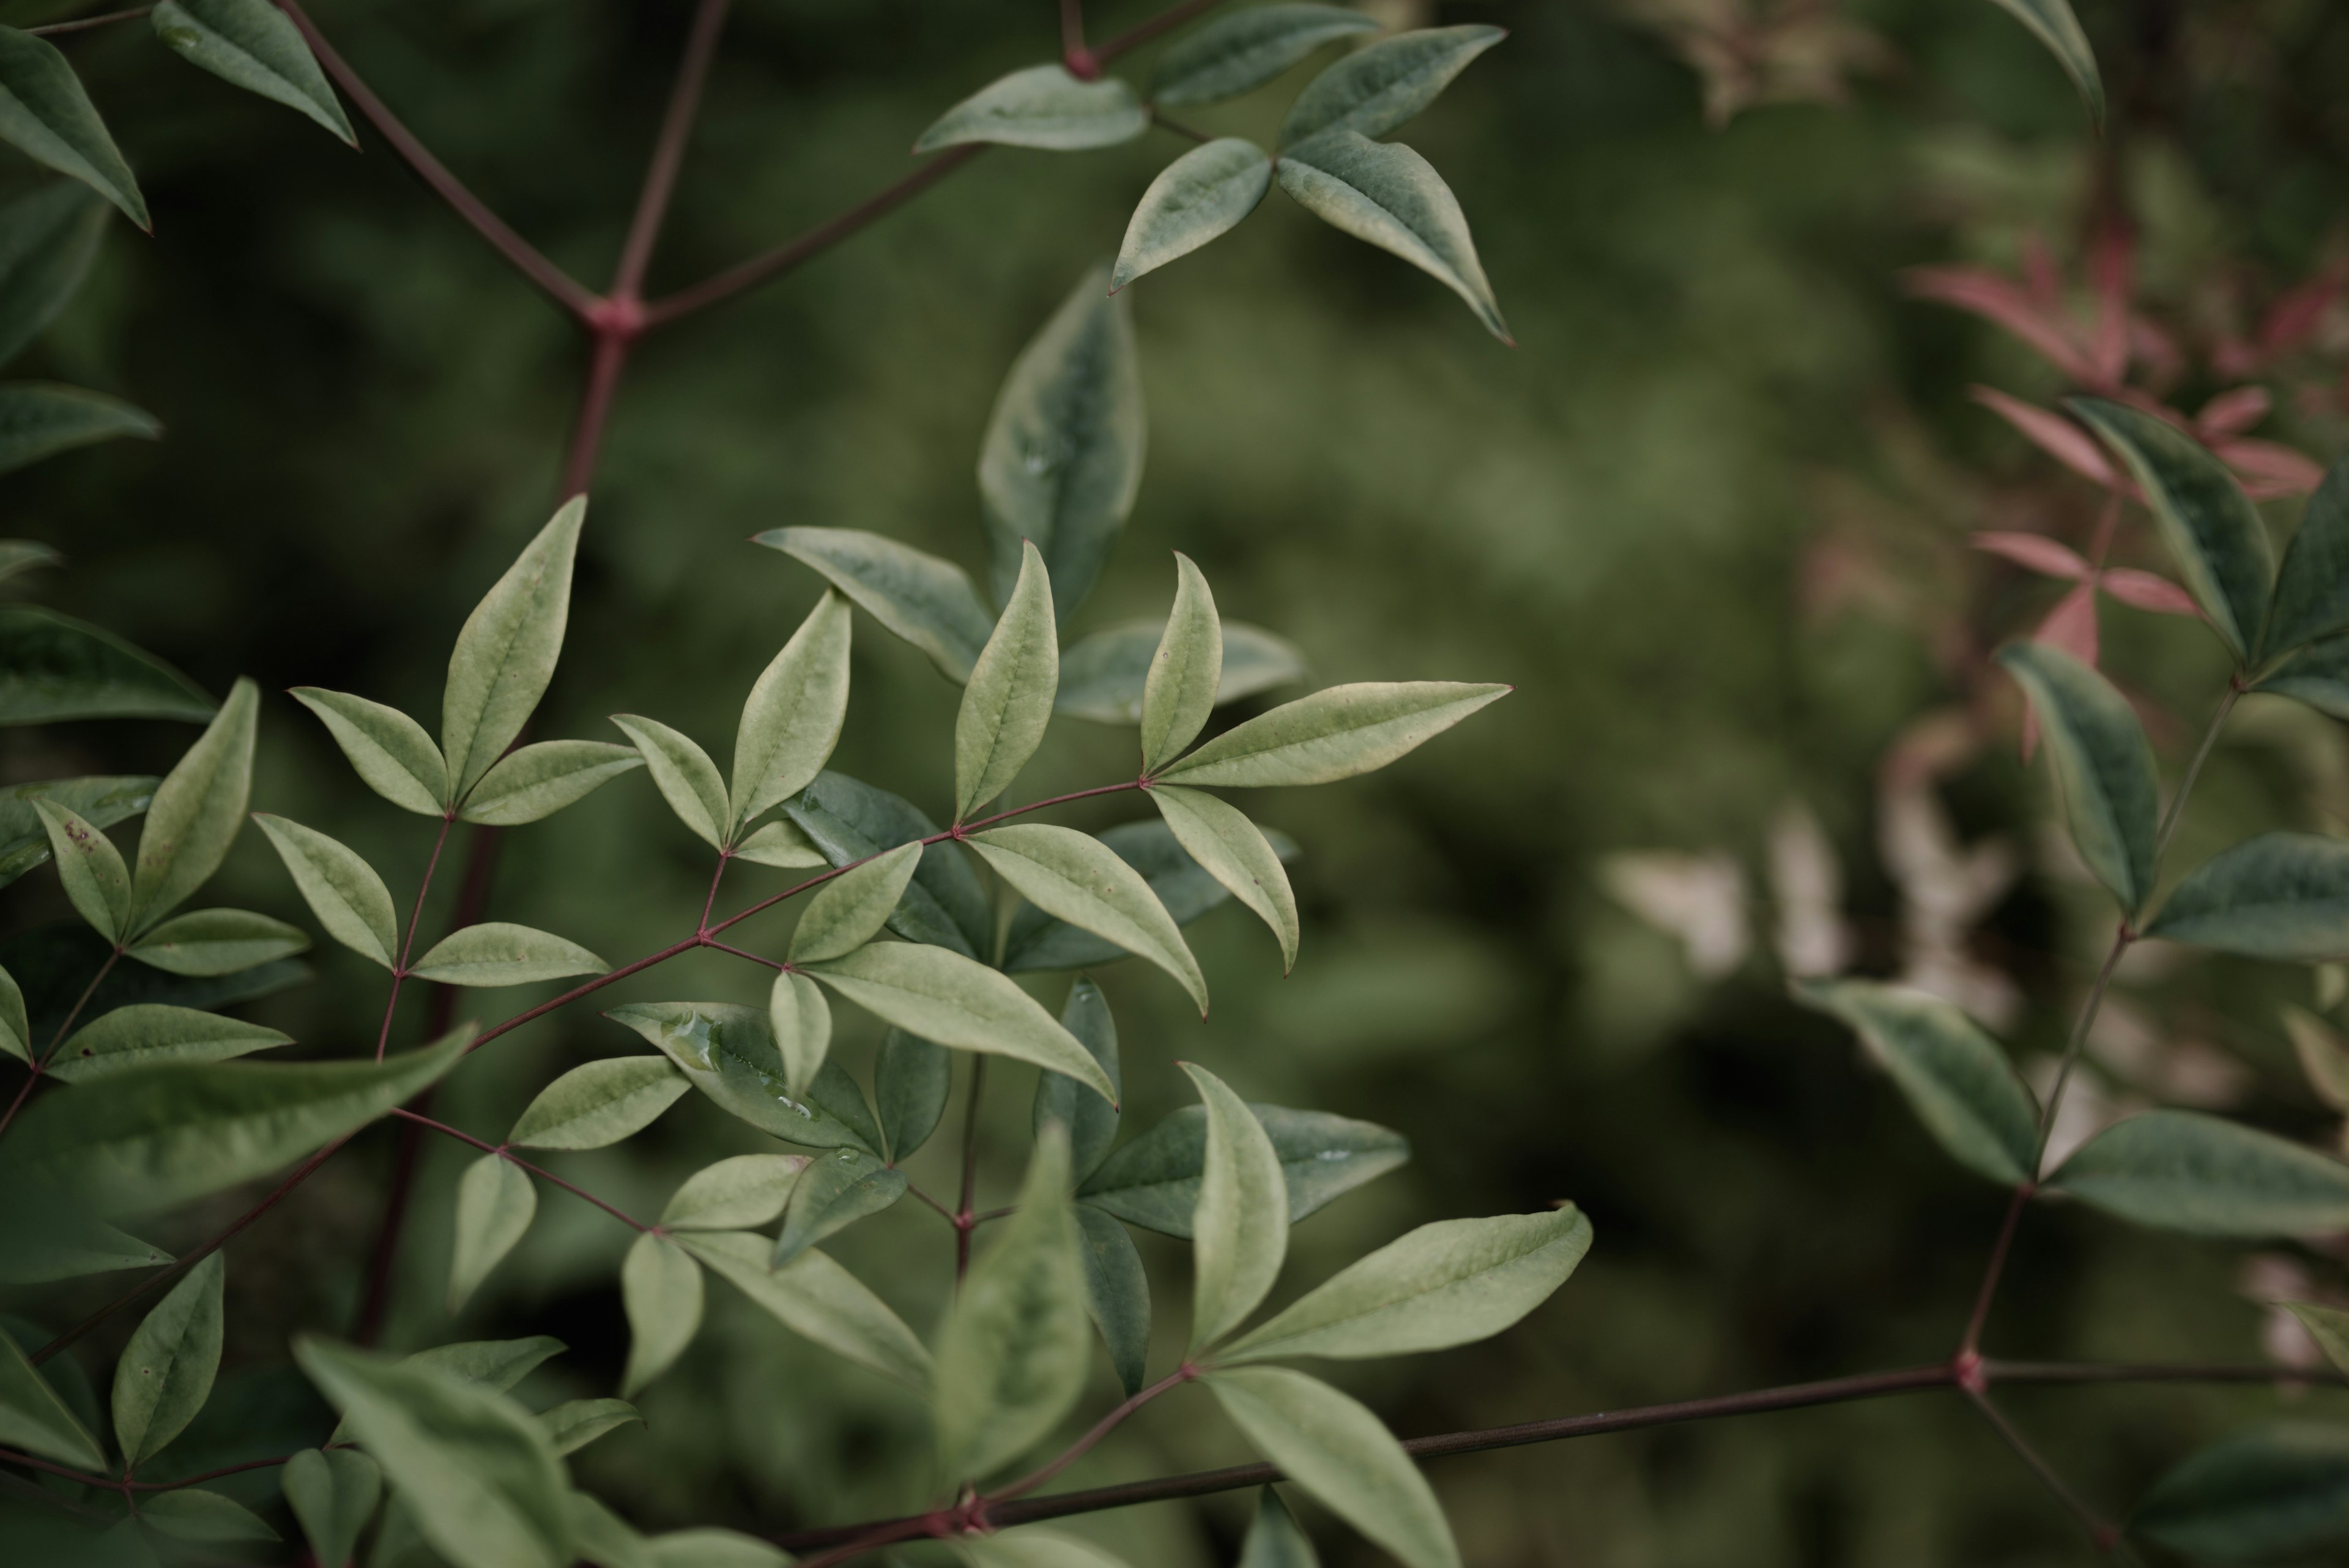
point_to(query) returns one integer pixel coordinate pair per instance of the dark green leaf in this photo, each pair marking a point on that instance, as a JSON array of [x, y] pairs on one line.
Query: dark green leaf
[[46, 240], [1954, 1077], [2182, 1170], [2112, 794], [851, 821], [35, 1419], [1117, 1294], [2311, 592], [926, 600], [1275, 1540], [831, 1194], [136, 1039], [1102, 674], [101, 802], [2279, 896], [1199, 197], [2271, 1494], [166, 1371], [54, 668], [2053, 24], [1091, 1121], [38, 419], [2317, 675], [252, 44], [1153, 1181], [205, 942], [729, 1054], [1385, 194], [1378, 88], [910, 1083], [1235, 54], [333, 1494], [46, 115], [1042, 105], [1037, 942], [191, 1514]]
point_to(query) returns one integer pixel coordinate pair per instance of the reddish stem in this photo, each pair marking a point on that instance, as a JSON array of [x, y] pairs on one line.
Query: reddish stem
[[1085, 1445], [512, 1158], [34, 1069], [1165, 21], [616, 327], [2101, 1534], [668, 150], [963, 1219], [84, 23]]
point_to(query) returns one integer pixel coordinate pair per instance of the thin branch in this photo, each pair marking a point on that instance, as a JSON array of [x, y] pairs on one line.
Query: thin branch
[[408, 942], [1971, 1345], [1085, 1445], [1179, 129], [1165, 21], [2100, 1531], [83, 23], [608, 356], [2177, 812], [669, 152], [515, 1159], [587, 988], [40, 1064], [962, 1217], [778, 965]]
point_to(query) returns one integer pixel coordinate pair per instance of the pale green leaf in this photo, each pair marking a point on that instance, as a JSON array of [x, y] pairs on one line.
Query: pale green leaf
[[2328, 1326], [782, 844], [334, 1493], [954, 1002], [1042, 105], [1240, 1228], [2112, 793], [1076, 877], [850, 910], [1090, 1120], [1275, 1540], [575, 1423], [1335, 733], [910, 1083], [1040, 941], [90, 868], [387, 749], [1199, 197], [818, 1300], [1186, 671], [496, 1202], [46, 115], [1236, 54], [602, 1537], [533, 782], [1379, 87], [1008, 703], [205, 942], [506, 652], [47, 241], [150, 1034], [166, 1372], [2312, 591], [1117, 1294], [661, 1287], [1236, 853], [1385, 194], [1102, 674], [100, 801], [801, 1022], [1954, 1077], [342, 889], [39, 420], [926, 600], [192, 1513], [2273, 1494], [793, 718], [2053, 25], [686, 778], [33, 1419], [2182, 1170], [1154, 1180], [252, 44], [2278, 895], [734, 1194], [831, 1194], [37, 216], [499, 953], [849, 821], [1034, 1546], [197, 810], [711, 1547], [598, 1103], [728, 1053]]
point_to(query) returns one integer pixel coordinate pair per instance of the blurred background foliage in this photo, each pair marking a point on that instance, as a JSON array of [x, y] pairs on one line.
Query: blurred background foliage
[[1709, 518]]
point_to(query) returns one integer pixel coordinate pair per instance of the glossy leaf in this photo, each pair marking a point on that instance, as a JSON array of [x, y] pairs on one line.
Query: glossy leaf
[[91, 869], [661, 1287], [39, 420], [2312, 591], [166, 1372], [1239, 1227], [575, 1423], [919, 596], [1379, 87], [252, 44], [2112, 793], [818, 1300], [910, 1083], [192, 1513], [850, 910], [1117, 1294], [833, 1193], [1045, 107], [1040, 941], [1275, 1540], [499, 953], [1008, 703], [728, 1053], [2182, 1170], [2053, 25], [54, 668], [1452, 1282], [507, 649], [685, 776], [342, 889], [1076, 877], [480, 1479], [33, 1419], [1385, 194], [1335, 733], [1061, 460], [135, 1039], [1954, 1077], [1091, 1121], [388, 749], [1341, 1455], [947, 998], [2279, 896], [849, 820], [782, 843], [334, 1493], [154, 1139], [46, 240], [1013, 1354], [793, 718], [1153, 1181], [734, 1194], [1236, 853], [1241, 52], [101, 802], [46, 115], [1199, 197], [1102, 674], [2274, 1493], [205, 942], [598, 1103], [533, 782], [496, 1202], [2202, 515]]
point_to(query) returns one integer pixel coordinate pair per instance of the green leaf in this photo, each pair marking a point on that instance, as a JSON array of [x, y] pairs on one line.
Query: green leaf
[[1040, 941], [1341, 1455], [2053, 24], [782, 843], [1042, 105], [910, 1083], [2274, 1493], [206, 942], [1385, 194], [2202, 515], [1117, 1294], [2312, 591], [1239, 1228], [1102, 674], [498, 953], [38, 419], [191, 1514], [1090, 1120], [598, 1103], [43, 1248], [2280, 896], [1008, 703], [1034, 1546], [2104, 765], [1452, 1282], [1275, 1540], [495, 1204], [919, 596], [1954, 1077], [389, 749], [660, 1286], [342, 889], [833, 1193], [603, 1538], [96, 880], [170, 1134], [687, 779], [166, 1371], [2324, 1056], [2182, 1170], [818, 1300], [575, 1423], [1335, 733], [506, 652], [792, 718], [734, 1194], [135, 1039], [1236, 853], [252, 44], [46, 115], [801, 1020], [35, 1419], [709, 1547], [728, 1053], [2317, 675], [2328, 1326], [334, 1493], [1199, 197], [47, 241], [53, 668], [1236, 54], [1013, 1354], [1080, 879], [849, 910], [15, 1031], [101, 802], [479, 1477], [197, 810], [1179, 692], [945, 997], [498, 1365], [531, 783], [1379, 87], [851, 821], [1061, 460], [19, 557], [1153, 1181]]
